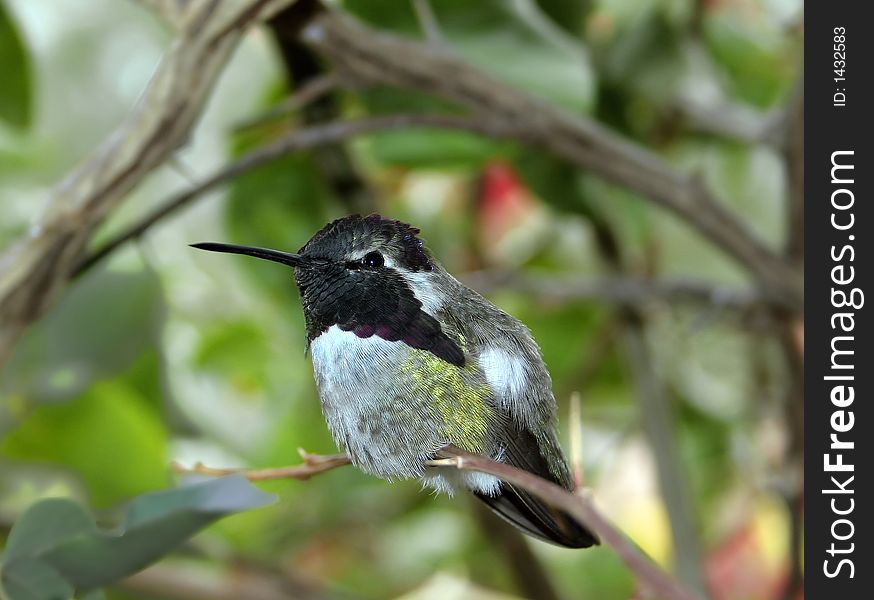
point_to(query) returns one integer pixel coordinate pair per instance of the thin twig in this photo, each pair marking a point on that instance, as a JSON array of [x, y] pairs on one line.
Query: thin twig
[[292, 142], [716, 114], [428, 22], [661, 431], [621, 290], [313, 464], [308, 93], [576, 434]]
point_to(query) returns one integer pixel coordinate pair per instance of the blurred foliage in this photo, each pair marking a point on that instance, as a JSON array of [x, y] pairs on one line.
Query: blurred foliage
[[510, 40], [122, 313], [55, 548], [15, 101], [164, 353]]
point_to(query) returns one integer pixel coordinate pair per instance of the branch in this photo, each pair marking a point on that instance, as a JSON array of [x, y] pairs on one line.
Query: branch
[[582, 509], [720, 117], [309, 92], [301, 65], [38, 266], [294, 141], [428, 23], [708, 108], [793, 157], [635, 291], [376, 58], [313, 464]]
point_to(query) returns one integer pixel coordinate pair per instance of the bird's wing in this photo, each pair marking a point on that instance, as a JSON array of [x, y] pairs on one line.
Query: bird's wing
[[529, 512], [511, 362]]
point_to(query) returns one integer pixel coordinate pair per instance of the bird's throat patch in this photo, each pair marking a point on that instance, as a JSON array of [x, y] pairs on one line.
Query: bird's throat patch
[[371, 302]]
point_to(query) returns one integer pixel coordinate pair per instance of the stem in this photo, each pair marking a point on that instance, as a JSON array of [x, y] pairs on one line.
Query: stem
[[314, 464]]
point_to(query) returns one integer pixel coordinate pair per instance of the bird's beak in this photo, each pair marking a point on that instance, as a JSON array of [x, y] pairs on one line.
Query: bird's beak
[[286, 258]]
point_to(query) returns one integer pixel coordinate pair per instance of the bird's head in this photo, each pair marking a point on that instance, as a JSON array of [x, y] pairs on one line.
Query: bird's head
[[369, 275]]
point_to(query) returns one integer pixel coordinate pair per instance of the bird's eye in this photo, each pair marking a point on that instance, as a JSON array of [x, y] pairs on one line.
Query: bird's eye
[[372, 260]]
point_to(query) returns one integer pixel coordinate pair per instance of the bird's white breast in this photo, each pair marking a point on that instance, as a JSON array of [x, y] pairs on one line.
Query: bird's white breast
[[367, 410], [374, 412], [341, 356]]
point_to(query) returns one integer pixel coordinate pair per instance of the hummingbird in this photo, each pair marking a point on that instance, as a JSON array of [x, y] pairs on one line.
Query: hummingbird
[[408, 360]]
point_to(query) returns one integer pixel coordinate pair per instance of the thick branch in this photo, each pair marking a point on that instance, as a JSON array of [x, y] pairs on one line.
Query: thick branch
[[35, 269], [372, 57]]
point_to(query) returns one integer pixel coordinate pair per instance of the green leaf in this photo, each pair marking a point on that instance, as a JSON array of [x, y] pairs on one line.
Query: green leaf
[[646, 58], [109, 436], [105, 321], [422, 148], [44, 524], [15, 93], [551, 179], [237, 351], [570, 15], [614, 580], [517, 43], [279, 204], [758, 59], [432, 149], [155, 523], [32, 579]]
